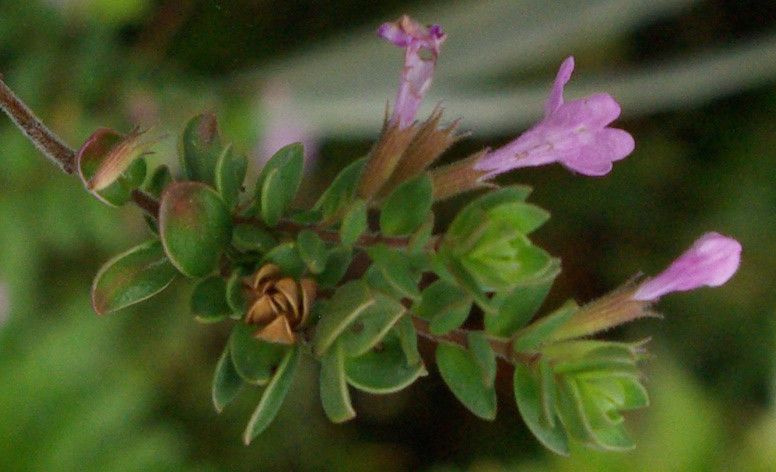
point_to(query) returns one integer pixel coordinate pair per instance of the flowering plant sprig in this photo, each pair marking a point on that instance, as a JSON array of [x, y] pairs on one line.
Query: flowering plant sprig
[[283, 276]]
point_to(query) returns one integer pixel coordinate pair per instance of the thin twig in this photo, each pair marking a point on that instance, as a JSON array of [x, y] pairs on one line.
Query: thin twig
[[43, 138], [503, 349]]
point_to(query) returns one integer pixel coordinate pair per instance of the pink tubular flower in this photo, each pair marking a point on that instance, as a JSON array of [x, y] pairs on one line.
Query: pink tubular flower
[[418, 71], [575, 134], [710, 261]]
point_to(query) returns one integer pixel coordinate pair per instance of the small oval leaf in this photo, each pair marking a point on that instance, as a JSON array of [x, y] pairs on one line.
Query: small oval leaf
[[273, 396], [383, 369], [255, 360], [464, 377], [195, 227], [226, 381], [529, 396], [335, 397], [407, 207], [132, 277], [208, 300]]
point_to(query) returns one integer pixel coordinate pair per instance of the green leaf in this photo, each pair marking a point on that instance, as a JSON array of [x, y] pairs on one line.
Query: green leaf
[[226, 381], [422, 236], [247, 237], [529, 398], [371, 326], [336, 266], [334, 387], [354, 223], [483, 355], [255, 360], [131, 277], [383, 369], [273, 396], [517, 308], [532, 336], [523, 217], [407, 207], [571, 413], [201, 148], [445, 305], [195, 227], [341, 192], [208, 300], [408, 340], [235, 294], [287, 257], [158, 181], [473, 214], [279, 181], [344, 307], [312, 250], [464, 376], [396, 270], [229, 175]]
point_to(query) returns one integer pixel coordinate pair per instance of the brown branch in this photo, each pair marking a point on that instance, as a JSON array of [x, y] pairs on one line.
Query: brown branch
[[503, 349], [332, 236], [146, 202], [43, 138]]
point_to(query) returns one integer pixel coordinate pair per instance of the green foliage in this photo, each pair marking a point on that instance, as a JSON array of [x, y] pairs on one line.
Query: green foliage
[[254, 360], [518, 306], [334, 387], [229, 175], [132, 277], [407, 207], [208, 300], [279, 181], [201, 148], [341, 193], [195, 227], [273, 395], [312, 250], [347, 304], [226, 381], [468, 380], [354, 223], [384, 370], [444, 304]]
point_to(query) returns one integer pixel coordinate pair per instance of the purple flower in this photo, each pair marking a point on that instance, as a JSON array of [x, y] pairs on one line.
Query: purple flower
[[710, 261], [418, 68], [575, 134]]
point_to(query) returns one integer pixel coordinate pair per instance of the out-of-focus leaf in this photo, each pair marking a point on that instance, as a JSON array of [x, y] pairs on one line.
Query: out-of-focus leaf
[[273, 395], [132, 277]]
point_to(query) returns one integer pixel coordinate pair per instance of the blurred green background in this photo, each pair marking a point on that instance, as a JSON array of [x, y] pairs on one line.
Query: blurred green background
[[130, 391]]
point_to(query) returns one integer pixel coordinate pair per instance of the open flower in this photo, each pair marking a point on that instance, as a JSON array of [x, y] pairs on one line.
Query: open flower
[[421, 49], [278, 305], [711, 261], [575, 134]]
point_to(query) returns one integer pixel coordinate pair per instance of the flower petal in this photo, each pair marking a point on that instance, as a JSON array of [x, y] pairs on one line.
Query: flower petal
[[561, 79]]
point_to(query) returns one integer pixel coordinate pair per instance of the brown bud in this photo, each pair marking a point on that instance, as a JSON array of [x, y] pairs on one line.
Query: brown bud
[[279, 305], [428, 144], [384, 157]]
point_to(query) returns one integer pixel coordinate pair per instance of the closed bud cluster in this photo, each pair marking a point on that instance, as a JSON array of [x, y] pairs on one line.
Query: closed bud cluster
[[497, 252], [279, 305]]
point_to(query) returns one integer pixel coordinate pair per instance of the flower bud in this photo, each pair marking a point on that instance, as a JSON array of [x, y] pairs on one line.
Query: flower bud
[[279, 305], [711, 261]]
